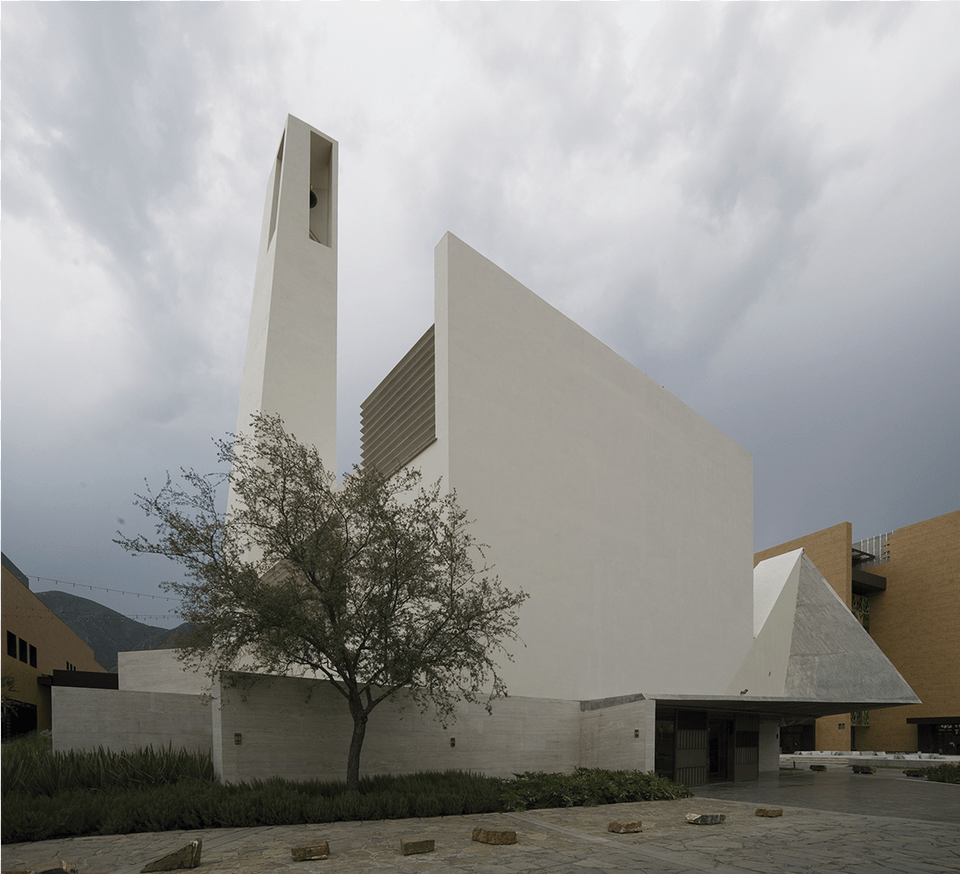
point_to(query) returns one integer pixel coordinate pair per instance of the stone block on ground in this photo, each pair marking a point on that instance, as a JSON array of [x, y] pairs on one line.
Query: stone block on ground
[[914, 772], [409, 848], [489, 836], [864, 769], [769, 811], [310, 850], [188, 856], [625, 828], [818, 767], [706, 818]]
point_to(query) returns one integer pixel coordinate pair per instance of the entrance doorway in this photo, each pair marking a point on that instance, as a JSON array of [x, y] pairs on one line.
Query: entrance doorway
[[719, 747]]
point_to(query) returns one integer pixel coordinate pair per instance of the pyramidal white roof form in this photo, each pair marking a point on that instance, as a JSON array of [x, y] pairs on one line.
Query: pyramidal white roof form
[[808, 646]]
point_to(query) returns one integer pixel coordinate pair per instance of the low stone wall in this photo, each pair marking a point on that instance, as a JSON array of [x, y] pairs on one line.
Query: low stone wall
[[84, 719], [300, 729], [875, 758], [618, 736]]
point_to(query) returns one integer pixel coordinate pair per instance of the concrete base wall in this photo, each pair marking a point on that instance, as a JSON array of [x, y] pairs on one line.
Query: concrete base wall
[[159, 670], [769, 756], [619, 737], [84, 719], [301, 729]]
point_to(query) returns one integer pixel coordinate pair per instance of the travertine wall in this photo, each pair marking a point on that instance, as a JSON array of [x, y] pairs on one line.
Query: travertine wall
[[85, 719], [915, 622], [159, 670], [300, 729], [618, 736]]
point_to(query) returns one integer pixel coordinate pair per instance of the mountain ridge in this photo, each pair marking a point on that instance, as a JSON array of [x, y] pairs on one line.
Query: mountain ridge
[[106, 631]]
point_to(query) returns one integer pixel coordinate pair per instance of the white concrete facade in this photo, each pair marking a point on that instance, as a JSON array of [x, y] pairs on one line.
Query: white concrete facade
[[292, 343], [624, 515]]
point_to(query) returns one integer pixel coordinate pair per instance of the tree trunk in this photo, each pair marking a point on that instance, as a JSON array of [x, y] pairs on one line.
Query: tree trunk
[[356, 743]]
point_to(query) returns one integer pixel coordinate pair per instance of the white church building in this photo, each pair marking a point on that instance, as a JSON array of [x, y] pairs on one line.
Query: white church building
[[650, 640]]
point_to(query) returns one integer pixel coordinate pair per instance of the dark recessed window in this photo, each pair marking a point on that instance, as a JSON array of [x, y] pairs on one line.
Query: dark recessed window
[[33, 656], [23, 650], [11, 644]]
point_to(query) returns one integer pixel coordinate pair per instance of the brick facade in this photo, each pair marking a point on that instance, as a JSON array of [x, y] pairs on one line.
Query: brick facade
[[914, 621]]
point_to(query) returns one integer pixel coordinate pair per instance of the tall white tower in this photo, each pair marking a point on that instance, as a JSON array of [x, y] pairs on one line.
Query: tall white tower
[[290, 368]]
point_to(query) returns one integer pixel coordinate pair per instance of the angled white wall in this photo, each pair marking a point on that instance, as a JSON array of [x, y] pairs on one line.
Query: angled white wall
[[290, 367], [626, 516]]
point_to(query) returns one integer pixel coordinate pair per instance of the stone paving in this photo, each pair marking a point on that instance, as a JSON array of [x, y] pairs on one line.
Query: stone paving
[[562, 840]]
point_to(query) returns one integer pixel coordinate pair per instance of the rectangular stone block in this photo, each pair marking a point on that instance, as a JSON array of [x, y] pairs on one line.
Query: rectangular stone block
[[706, 818], [488, 836], [188, 856], [769, 811], [625, 828], [818, 767], [309, 851], [409, 848]]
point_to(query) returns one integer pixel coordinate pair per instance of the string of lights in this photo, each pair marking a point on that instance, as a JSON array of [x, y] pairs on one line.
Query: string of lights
[[23, 610], [100, 588]]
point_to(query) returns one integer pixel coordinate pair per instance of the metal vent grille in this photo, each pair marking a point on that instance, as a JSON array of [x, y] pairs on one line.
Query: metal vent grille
[[399, 418]]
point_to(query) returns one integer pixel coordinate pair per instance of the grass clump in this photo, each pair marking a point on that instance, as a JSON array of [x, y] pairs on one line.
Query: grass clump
[[948, 772], [51, 795], [29, 765]]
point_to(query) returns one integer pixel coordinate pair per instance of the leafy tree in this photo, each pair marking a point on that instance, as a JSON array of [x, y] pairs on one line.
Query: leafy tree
[[372, 584]]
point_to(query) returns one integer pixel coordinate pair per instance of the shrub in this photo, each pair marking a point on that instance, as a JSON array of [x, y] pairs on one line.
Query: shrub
[[948, 772], [101, 795], [587, 787], [31, 767]]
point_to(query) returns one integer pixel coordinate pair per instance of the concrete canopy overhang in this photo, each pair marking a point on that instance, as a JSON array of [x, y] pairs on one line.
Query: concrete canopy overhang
[[788, 708]]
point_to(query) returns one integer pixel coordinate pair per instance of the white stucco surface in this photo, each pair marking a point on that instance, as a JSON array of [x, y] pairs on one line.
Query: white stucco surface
[[624, 514], [290, 366]]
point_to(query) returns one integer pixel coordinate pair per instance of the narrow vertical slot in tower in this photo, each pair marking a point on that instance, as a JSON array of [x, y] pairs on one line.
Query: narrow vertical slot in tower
[[321, 171], [275, 200]]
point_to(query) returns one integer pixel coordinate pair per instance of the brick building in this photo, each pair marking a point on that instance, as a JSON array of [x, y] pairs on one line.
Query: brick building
[[37, 644], [904, 586]]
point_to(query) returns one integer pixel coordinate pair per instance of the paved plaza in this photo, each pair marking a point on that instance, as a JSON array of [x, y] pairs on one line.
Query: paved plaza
[[832, 822]]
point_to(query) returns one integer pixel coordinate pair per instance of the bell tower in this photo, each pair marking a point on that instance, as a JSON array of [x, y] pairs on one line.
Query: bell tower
[[290, 367]]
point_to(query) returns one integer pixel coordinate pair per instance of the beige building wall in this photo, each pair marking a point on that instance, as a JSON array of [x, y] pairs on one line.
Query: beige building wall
[[916, 622], [28, 622]]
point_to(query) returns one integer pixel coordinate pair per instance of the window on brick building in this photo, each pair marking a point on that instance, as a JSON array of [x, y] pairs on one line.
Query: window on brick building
[[33, 656], [11, 644]]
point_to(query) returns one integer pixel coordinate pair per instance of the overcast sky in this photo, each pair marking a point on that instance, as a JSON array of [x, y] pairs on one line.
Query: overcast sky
[[757, 206]]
